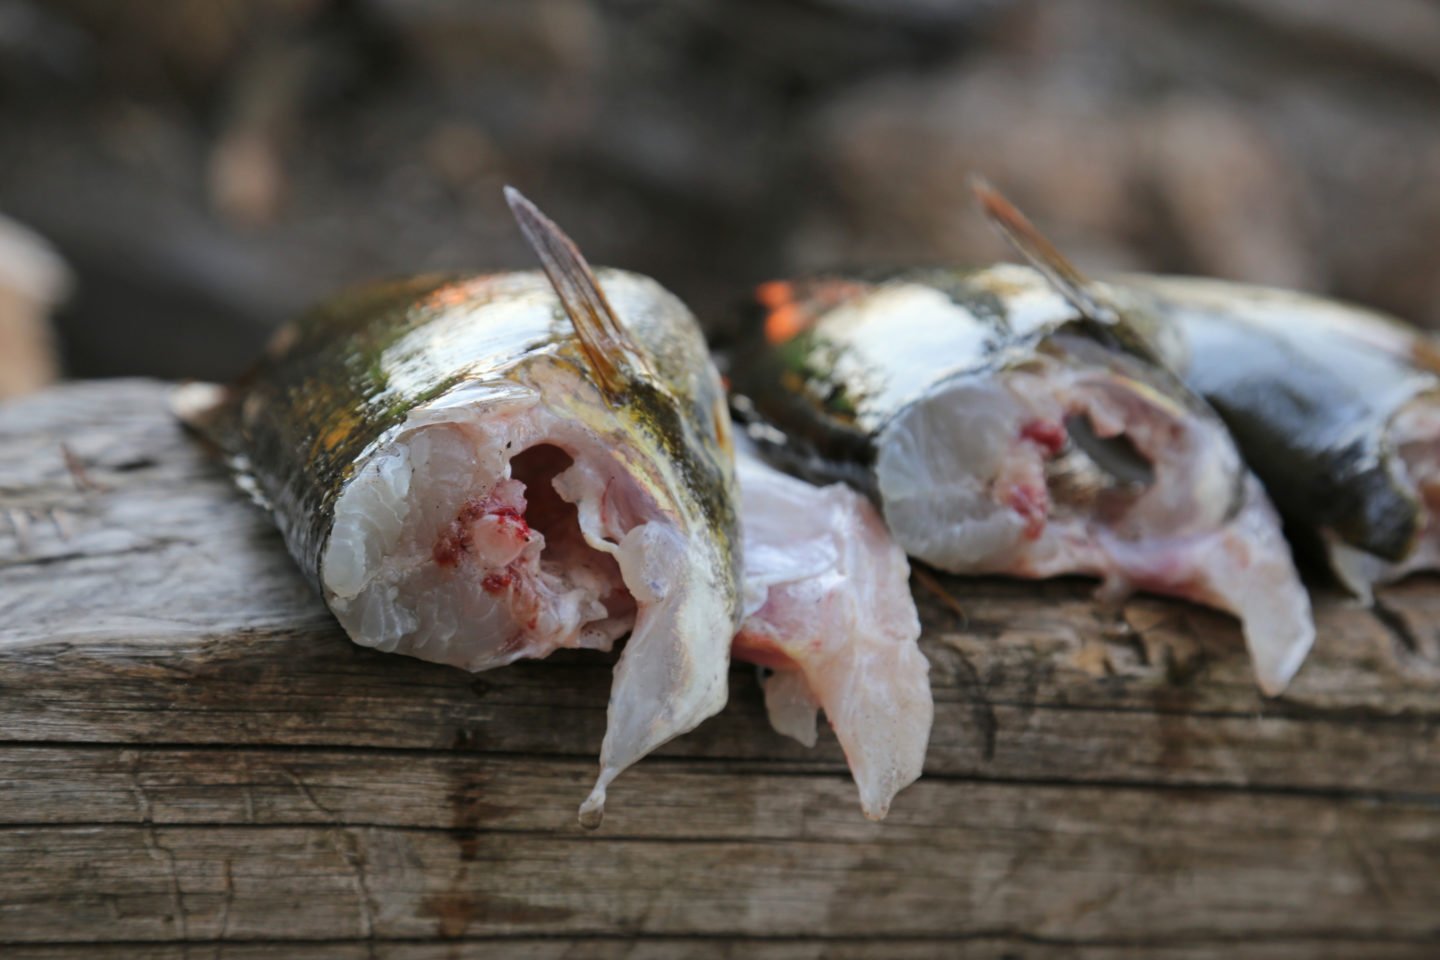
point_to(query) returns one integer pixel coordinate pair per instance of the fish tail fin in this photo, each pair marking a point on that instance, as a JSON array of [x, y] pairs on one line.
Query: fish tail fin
[[608, 346], [1044, 256]]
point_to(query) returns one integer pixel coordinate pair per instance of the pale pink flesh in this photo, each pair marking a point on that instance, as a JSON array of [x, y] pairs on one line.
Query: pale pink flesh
[[982, 479], [491, 564], [496, 529], [829, 610]]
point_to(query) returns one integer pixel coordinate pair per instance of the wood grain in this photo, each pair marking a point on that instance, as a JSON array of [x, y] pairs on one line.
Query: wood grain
[[193, 757]]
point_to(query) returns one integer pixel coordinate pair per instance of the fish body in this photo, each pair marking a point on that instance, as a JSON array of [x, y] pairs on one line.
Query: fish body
[[828, 611], [1002, 430], [1336, 408], [478, 469]]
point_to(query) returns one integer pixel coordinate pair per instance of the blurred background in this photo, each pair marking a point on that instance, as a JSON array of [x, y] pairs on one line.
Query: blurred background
[[186, 174]]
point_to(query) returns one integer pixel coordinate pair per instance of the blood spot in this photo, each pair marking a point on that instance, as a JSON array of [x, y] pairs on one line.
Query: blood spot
[[512, 521], [498, 581], [451, 544], [1032, 503], [457, 538], [1048, 435]]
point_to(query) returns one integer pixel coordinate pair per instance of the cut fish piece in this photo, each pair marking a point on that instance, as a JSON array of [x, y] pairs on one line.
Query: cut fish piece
[[986, 476], [1337, 408], [1013, 421], [479, 469], [828, 609]]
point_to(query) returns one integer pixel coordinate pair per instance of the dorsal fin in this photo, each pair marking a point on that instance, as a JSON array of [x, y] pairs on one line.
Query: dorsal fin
[[1041, 254], [608, 347]]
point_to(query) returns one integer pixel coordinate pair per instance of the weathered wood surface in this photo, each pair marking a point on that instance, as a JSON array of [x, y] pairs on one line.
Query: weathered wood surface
[[195, 762]]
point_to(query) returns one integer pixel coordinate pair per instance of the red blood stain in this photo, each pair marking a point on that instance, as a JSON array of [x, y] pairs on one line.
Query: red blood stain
[[512, 521], [498, 581], [452, 543], [1032, 503], [1048, 435], [456, 539]]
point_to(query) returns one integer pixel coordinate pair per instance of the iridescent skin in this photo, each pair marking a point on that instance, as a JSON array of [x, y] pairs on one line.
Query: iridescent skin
[[830, 383]]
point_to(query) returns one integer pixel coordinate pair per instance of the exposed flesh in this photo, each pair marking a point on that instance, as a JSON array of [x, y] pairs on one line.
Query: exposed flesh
[[491, 531], [1414, 436], [828, 608], [452, 548], [983, 477]]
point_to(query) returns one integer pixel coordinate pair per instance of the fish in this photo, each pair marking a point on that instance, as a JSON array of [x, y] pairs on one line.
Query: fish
[[1335, 407], [475, 469], [829, 614], [1008, 420]]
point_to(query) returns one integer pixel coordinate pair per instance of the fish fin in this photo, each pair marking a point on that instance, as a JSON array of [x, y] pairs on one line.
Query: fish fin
[[211, 412], [790, 705], [1043, 255], [208, 409], [592, 811], [607, 345]]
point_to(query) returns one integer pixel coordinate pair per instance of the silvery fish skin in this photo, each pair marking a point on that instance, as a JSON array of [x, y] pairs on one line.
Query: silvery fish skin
[[828, 610], [472, 473], [1336, 408], [1002, 431]]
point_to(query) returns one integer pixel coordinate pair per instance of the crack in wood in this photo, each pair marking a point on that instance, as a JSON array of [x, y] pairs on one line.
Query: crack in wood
[[309, 795], [350, 850], [157, 545], [159, 851], [1417, 653], [982, 711], [785, 769], [1398, 629], [226, 904], [20, 527]]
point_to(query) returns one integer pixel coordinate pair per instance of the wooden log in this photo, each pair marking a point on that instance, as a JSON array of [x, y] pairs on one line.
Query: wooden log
[[192, 756]]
